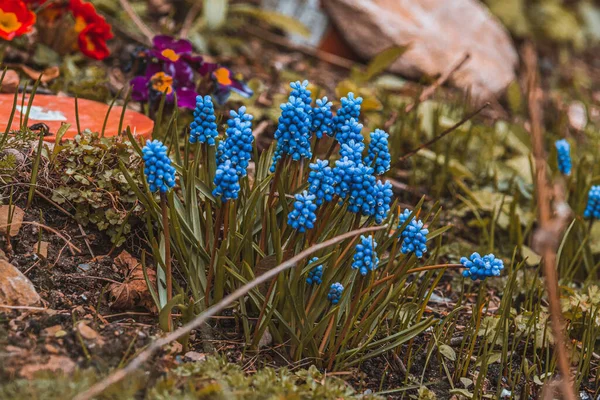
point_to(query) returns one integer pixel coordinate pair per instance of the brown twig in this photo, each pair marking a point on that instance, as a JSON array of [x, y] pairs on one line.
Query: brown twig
[[547, 236], [138, 361], [429, 90], [441, 135], [189, 19], [72, 247], [137, 20]]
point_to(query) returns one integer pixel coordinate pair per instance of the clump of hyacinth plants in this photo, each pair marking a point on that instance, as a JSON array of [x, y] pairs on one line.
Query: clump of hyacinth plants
[[234, 214]]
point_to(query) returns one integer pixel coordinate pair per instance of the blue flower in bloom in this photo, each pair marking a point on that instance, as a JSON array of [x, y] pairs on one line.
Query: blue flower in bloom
[[414, 236], [383, 198], [300, 91], [203, 128], [592, 209], [353, 151], [403, 217], [350, 130], [342, 176], [481, 267], [226, 181], [335, 293], [365, 257], [378, 155], [237, 147], [303, 216], [293, 131], [320, 181], [350, 109], [362, 190], [160, 174], [322, 118], [563, 151], [315, 275]]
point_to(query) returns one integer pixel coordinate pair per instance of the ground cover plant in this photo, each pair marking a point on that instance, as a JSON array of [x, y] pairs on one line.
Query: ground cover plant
[[342, 228]]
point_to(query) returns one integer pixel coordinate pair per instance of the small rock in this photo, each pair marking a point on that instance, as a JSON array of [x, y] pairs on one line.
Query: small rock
[[195, 356], [15, 288], [16, 219], [54, 364], [266, 339], [577, 115], [86, 332], [10, 81], [84, 267], [52, 330]]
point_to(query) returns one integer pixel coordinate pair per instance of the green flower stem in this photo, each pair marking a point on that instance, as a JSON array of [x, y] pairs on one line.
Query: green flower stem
[[331, 149], [263, 232], [220, 272], [212, 262], [168, 272]]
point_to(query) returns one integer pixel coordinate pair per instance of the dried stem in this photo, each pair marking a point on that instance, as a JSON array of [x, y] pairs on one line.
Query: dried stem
[[548, 234]]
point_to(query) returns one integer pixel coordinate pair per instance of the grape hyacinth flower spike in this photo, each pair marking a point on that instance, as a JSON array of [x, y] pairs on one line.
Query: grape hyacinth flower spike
[[365, 257], [300, 91], [320, 181], [414, 236], [350, 130], [322, 118], [303, 217], [203, 128], [481, 267], [592, 209], [383, 197], [293, 132], [315, 275], [563, 152], [378, 155], [350, 109], [226, 181], [237, 147], [160, 174], [335, 293]]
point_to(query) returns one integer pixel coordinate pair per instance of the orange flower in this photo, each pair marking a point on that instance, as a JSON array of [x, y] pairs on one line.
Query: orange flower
[[15, 19], [92, 29]]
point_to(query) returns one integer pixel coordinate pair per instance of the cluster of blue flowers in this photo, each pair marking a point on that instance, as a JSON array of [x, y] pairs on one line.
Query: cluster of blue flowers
[[365, 257], [226, 181], [383, 197], [335, 293], [315, 275], [414, 235], [322, 118], [160, 174], [378, 155], [481, 267], [350, 130], [563, 152], [353, 151], [592, 209], [237, 147], [303, 216], [203, 128], [320, 181], [350, 109]]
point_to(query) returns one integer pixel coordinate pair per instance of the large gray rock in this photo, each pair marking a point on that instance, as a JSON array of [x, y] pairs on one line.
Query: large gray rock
[[439, 33]]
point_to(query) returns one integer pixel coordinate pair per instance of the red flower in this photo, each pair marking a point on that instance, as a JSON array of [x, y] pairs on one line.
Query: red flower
[[15, 19], [92, 29]]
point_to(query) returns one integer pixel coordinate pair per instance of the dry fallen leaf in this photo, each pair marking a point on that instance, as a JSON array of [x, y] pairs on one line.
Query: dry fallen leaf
[[16, 219], [48, 74], [133, 292]]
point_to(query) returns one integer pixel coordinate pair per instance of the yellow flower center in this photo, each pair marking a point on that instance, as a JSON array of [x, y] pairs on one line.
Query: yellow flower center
[[162, 82], [9, 21], [222, 75], [80, 24], [170, 54]]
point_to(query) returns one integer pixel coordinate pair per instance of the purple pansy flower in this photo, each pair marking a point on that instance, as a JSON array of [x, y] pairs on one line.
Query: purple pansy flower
[[170, 68]]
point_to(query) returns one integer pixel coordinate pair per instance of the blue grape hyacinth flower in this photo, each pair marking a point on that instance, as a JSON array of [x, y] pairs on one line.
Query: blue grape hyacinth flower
[[322, 118], [343, 174], [563, 152], [320, 181], [303, 217], [226, 181], [293, 131], [335, 293], [353, 150], [315, 275], [300, 91], [237, 147], [350, 130], [414, 236], [481, 267], [378, 154], [160, 174], [203, 128], [383, 197], [592, 209], [365, 257], [350, 109], [362, 190]]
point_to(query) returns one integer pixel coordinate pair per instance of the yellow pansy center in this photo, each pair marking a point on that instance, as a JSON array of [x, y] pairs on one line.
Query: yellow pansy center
[[80, 24], [162, 82], [170, 54], [223, 76], [9, 21]]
